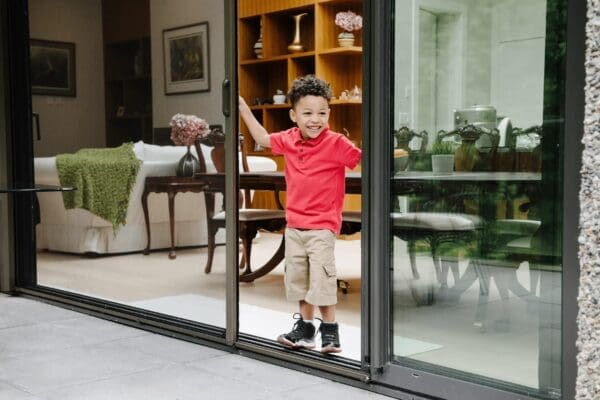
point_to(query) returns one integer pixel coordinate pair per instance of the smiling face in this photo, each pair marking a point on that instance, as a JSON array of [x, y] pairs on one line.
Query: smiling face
[[311, 114]]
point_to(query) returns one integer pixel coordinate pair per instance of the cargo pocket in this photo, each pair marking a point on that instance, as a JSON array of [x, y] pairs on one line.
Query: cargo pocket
[[330, 270]]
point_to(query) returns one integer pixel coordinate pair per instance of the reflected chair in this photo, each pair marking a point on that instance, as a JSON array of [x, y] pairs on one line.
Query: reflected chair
[[414, 143], [251, 220], [437, 229], [477, 147], [444, 219]]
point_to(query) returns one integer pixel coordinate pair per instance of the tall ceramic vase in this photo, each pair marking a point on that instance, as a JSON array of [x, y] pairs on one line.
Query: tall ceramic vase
[[296, 46], [188, 164]]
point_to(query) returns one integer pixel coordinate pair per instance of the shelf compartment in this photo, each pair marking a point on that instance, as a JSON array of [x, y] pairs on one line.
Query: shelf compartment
[[329, 67], [300, 66], [248, 34], [279, 29], [247, 8], [255, 85], [326, 21]]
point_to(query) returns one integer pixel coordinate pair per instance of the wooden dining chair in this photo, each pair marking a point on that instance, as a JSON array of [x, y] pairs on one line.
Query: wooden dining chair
[[251, 220]]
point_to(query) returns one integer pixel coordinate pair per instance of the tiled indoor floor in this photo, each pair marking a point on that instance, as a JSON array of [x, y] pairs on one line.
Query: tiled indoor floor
[[51, 353]]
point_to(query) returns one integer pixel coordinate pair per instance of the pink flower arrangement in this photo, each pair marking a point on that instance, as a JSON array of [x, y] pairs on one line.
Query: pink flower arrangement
[[348, 21], [185, 129]]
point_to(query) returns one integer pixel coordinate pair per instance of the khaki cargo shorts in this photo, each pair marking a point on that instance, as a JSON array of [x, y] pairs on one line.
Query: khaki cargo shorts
[[310, 272]]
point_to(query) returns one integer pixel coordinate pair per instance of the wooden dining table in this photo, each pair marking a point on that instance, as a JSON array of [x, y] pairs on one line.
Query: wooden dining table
[[269, 181]]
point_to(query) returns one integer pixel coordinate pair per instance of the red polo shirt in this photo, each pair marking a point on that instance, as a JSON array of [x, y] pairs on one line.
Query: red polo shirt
[[315, 175]]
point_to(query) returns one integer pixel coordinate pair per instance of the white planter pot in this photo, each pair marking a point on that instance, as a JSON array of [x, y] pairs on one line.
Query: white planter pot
[[279, 98], [442, 163]]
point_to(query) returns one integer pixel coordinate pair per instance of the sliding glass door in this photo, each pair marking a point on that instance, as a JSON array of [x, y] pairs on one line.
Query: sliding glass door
[[474, 213]]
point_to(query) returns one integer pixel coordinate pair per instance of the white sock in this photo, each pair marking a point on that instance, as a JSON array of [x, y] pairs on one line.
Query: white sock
[[310, 321]]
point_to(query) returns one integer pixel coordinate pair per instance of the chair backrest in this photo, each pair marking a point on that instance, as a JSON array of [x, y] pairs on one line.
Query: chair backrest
[[405, 137]]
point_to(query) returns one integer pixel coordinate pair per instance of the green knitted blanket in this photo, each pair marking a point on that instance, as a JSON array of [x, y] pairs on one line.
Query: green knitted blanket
[[103, 179]]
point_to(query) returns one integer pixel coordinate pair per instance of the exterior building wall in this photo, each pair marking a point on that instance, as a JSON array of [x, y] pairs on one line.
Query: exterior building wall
[[588, 320]]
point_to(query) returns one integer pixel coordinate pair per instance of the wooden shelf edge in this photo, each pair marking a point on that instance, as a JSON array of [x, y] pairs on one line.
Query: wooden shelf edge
[[337, 102], [271, 106], [352, 50], [281, 57]]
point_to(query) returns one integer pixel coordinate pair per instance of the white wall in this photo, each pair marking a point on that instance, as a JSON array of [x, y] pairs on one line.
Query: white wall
[[165, 14], [70, 123], [518, 49], [503, 58]]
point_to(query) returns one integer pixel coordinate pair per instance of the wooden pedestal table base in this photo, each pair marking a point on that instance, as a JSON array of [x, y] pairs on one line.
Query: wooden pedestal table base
[[171, 185]]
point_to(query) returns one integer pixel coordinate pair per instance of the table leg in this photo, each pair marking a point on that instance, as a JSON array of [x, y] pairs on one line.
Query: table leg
[[268, 266], [171, 195], [146, 219]]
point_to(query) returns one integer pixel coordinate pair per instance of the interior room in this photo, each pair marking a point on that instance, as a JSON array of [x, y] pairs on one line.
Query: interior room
[[449, 56]]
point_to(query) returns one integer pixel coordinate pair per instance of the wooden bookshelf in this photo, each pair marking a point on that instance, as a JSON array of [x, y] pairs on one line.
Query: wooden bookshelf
[[260, 78]]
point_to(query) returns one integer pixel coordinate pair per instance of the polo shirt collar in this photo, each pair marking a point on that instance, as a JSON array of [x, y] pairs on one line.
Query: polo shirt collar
[[311, 142]]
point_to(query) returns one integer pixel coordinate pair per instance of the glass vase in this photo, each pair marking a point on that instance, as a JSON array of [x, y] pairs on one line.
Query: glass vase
[[188, 165]]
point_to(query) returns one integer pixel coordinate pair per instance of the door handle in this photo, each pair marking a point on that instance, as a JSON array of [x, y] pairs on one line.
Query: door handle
[[226, 97]]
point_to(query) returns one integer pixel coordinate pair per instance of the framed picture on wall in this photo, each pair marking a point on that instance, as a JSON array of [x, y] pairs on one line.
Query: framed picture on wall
[[52, 68], [186, 59]]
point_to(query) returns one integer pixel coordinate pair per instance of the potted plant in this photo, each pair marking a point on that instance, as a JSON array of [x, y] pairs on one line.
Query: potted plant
[[442, 157], [348, 21], [185, 130]]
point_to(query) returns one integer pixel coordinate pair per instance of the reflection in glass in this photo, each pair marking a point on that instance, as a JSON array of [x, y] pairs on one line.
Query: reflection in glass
[[476, 250]]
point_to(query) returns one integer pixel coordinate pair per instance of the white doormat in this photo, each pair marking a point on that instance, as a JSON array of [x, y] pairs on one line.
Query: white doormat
[[266, 323]]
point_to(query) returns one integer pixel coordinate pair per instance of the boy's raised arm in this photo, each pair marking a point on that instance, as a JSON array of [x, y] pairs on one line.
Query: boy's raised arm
[[258, 132]]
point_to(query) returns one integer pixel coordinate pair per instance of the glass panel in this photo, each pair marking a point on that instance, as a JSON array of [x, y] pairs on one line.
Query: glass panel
[[266, 67], [476, 191], [97, 243]]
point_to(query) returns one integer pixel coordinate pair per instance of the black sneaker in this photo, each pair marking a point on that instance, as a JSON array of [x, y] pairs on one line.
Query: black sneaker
[[302, 335], [330, 338]]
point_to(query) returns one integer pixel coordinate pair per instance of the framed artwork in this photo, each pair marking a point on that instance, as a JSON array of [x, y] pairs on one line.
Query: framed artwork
[[52, 68], [186, 59]]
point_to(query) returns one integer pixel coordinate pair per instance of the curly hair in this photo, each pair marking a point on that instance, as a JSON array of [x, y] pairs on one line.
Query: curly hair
[[308, 85]]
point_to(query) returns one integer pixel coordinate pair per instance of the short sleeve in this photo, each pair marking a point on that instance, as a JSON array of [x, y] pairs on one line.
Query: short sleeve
[[276, 142]]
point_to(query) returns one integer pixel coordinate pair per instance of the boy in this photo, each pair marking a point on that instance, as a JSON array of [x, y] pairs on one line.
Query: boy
[[315, 162]]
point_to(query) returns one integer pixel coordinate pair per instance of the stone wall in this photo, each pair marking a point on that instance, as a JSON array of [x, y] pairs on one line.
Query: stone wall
[[588, 320]]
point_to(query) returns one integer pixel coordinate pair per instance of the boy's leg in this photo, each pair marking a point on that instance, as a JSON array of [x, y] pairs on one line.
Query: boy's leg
[[296, 284], [330, 335], [327, 313], [307, 310], [323, 286]]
